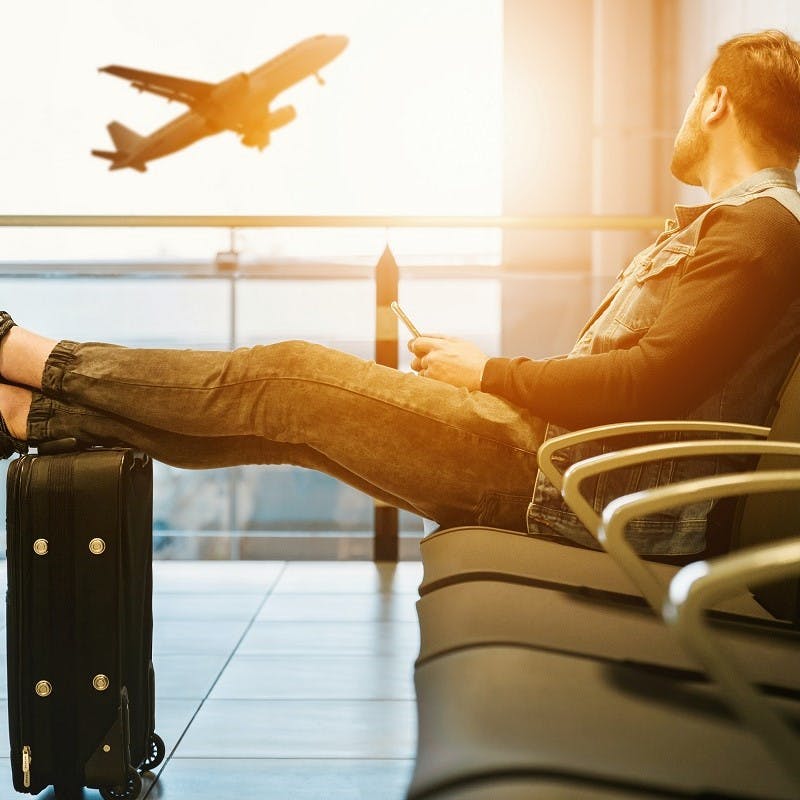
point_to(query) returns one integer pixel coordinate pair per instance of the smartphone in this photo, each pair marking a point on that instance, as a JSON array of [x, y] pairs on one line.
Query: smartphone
[[401, 315]]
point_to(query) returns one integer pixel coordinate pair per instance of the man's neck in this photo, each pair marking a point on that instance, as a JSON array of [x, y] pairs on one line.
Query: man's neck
[[721, 175]]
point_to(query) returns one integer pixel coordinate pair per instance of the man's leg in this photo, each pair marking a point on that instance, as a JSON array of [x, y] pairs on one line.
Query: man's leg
[[455, 456]]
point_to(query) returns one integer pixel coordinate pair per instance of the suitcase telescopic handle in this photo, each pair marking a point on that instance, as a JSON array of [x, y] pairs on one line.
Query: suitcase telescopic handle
[[67, 445]]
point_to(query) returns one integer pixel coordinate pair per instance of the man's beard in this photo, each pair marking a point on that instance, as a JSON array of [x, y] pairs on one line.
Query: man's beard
[[689, 153]]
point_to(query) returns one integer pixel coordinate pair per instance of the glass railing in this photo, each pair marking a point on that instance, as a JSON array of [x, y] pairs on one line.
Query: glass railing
[[255, 289]]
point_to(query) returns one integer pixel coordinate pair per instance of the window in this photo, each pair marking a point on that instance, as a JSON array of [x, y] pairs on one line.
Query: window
[[408, 122]]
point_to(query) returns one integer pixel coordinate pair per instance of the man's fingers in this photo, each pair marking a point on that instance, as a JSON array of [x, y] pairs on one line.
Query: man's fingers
[[426, 344]]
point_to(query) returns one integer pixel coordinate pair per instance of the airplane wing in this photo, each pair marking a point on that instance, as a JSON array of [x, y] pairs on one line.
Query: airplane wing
[[169, 86]]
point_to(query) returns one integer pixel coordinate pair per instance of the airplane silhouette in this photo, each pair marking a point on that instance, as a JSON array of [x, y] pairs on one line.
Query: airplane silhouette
[[239, 103]]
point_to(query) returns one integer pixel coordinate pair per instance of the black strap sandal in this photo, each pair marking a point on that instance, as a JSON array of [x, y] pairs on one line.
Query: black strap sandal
[[8, 444], [6, 324]]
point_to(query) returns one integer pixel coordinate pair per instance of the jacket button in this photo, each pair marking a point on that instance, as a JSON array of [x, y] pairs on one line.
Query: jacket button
[[43, 688], [40, 547]]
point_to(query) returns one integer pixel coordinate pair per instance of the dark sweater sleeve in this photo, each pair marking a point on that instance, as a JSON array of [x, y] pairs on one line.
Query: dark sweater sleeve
[[742, 277]]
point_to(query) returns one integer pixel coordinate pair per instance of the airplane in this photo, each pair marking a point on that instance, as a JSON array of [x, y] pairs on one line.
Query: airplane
[[239, 103]]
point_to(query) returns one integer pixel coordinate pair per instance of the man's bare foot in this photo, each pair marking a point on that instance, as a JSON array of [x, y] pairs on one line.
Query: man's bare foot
[[23, 355]]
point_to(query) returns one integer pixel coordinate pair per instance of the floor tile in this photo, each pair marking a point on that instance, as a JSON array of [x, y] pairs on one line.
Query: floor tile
[[292, 779], [316, 702], [316, 678], [299, 728], [172, 719], [217, 576], [339, 608], [399, 639], [349, 578], [186, 676], [172, 637], [212, 606]]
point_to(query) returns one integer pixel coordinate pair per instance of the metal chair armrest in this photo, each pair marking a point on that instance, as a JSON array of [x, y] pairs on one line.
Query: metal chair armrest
[[699, 585], [589, 467], [552, 446], [618, 513]]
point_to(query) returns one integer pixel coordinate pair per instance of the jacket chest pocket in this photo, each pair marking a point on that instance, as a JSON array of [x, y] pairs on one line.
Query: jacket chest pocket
[[647, 287]]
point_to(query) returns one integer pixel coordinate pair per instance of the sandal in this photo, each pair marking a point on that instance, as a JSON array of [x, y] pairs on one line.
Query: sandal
[[8, 444], [6, 324]]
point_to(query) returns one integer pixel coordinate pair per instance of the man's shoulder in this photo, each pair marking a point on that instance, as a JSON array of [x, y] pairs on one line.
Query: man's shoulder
[[760, 221]]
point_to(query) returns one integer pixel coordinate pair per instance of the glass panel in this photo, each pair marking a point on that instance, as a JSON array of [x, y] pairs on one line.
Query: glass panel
[[197, 511], [409, 119], [275, 511]]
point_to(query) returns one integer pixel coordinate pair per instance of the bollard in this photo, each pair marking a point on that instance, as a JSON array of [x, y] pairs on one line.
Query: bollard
[[386, 541]]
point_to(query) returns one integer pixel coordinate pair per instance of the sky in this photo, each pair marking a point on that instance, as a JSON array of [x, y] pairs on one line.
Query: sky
[[409, 121]]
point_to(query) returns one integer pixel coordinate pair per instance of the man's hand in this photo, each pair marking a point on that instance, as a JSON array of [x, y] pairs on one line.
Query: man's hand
[[447, 359]]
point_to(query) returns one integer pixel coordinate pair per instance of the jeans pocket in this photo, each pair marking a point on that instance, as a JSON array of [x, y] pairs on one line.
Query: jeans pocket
[[501, 510]]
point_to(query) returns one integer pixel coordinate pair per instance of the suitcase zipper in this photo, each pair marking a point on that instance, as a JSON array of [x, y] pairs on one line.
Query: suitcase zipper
[[26, 767], [19, 490]]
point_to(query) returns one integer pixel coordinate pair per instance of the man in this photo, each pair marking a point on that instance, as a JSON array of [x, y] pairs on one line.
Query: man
[[703, 324]]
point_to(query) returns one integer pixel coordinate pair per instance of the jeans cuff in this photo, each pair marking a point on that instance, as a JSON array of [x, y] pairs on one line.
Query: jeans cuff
[[39, 416], [57, 363]]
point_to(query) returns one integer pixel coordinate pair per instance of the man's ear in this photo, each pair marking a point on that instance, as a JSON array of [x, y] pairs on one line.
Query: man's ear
[[717, 105]]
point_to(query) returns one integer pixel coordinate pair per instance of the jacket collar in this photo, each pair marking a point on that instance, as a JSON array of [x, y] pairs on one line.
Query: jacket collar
[[752, 184]]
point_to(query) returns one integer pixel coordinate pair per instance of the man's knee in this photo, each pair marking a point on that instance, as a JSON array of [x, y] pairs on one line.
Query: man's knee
[[290, 353], [292, 358]]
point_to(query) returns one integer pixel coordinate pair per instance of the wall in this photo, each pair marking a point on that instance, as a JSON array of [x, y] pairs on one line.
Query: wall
[[595, 91], [704, 24], [586, 131]]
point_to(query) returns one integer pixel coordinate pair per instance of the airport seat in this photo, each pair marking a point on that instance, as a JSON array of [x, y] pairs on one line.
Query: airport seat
[[499, 710], [592, 714], [479, 613], [465, 554], [478, 553], [468, 553], [544, 787]]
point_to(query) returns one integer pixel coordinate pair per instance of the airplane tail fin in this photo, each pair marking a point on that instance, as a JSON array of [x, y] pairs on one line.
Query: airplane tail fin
[[126, 141], [124, 138]]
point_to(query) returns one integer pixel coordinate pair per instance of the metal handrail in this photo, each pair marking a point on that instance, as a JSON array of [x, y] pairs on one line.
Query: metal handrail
[[574, 222], [278, 269]]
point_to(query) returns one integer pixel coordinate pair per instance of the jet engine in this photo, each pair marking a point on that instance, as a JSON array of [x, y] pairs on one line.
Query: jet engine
[[256, 132]]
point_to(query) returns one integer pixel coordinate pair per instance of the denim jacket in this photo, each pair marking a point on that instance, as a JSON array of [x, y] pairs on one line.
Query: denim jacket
[[624, 316]]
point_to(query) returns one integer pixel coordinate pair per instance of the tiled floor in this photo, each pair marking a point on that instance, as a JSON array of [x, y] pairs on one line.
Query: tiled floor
[[280, 680]]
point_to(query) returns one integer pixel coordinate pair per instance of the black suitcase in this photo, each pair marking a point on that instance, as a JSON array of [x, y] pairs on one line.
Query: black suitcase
[[81, 701]]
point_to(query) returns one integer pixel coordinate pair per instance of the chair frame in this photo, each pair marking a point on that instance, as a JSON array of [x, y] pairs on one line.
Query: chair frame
[[613, 541], [550, 447], [700, 585]]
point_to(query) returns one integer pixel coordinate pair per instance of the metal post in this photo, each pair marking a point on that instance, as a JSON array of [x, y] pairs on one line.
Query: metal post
[[227, 262], [386, 541]]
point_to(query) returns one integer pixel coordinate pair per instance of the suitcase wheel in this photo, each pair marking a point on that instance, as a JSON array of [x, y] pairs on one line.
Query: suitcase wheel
[[156, 755], [129, 790]]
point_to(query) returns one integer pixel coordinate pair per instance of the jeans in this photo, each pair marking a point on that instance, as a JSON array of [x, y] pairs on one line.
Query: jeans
[[454, 456]]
